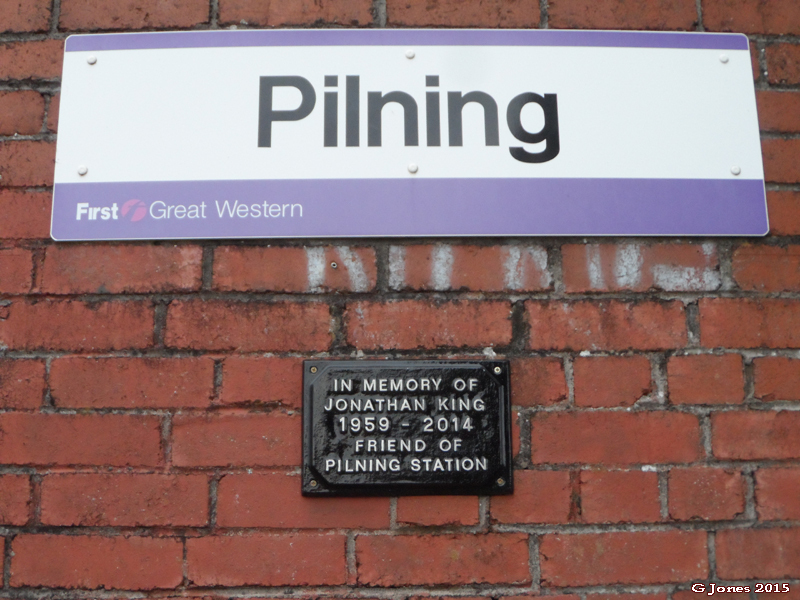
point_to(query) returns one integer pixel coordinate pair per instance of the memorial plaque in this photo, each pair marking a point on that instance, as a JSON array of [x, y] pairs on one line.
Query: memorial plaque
[[406, 428]]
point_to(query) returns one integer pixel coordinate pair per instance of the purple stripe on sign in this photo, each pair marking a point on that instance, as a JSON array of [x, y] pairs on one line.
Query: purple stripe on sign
[[389, 37], [407, 207]]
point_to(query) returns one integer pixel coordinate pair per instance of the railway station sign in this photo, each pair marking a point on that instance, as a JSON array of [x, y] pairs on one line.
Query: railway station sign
[[406, 428], [363, 133]]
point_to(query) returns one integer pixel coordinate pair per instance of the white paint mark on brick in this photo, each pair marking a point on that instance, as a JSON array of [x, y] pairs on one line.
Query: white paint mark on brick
[[397, 267], [355, 269], [594, 265], [315, 257], [709, 249], [441, 267], [514, 279], [539, 256], [685, 279], [628, 265]]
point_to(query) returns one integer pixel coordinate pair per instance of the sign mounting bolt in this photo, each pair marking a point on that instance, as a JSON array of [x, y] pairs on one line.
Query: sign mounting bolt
[[334, 265], [313, 483], [83, 170], [736, 170], [413, 168], [501, 481], [91, 60], [313, 369], [497, 370], [723, 58], [410, 54]]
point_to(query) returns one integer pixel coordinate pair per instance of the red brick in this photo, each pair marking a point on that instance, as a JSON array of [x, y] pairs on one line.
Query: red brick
[[20, 112], [749, 435], [262, 380], [15, 497], [438, 510], [706, 379], [95, 500], [626, 596], [767, 268], [295, 269], [784, 212], [619, 14], [709, 494], [758, 553], [629, 557], [691, 595], [73, 325], [640, 267], [25, 214], [394, 560], [777, 378], [752, 16], [95, 269], [611, 380], [615, 438], [25, 15], [611, 325], [270, 560], [782, 63], [248, 439], [780, 160], [92, 562], [746, 323], [16, 266], [132, 382], [539, 497], [469, 13], [754, 60], [538, 381], [21, 383], [272, 13], [484, 268], [410, 324], [142, 14], [248, 326], [778, 110], [619, 496], [27, 163], [516, 426], [52, 112], [274, 500], [31, 60], [778, 494], [54, 439]]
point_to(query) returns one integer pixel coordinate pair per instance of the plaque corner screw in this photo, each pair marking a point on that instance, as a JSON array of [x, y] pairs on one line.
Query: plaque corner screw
[[498, 370], [410, 54], [334, 265], [736, 170], [92, 60], [313, 483], [313, 369], [723, 58], [501, 482], [413, 168], [83, 170]]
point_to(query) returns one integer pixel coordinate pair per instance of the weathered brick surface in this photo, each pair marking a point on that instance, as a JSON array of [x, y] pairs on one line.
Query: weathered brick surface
[[443, 559], [613, 438], [40, 59], [780, 164], [248, 326], [619, 496], [124, 500], [777, 378], [783, 207], [640, 267], [20, 112], [782, 63], [271, 13], [539, 497], [538, 381], [437, 510], [264, 380], [52, 112], [619, 14], [752, 16], [264, 559], [778, 493], [22, 383], [15, 499], [611, 380], [779, 111], [26, 163], [749, 323], [410, 324], [701, 493], [472, 13], [609, 325], [767, 268], [236, 439], [25, 214], [132, 382], [706, 379], [16, 269], [747, 435], [53, 439], [25, 15], [110, 14], [273, 500], [74, 325], [625, 557], [758, 553], [92, 562], [95, 269]]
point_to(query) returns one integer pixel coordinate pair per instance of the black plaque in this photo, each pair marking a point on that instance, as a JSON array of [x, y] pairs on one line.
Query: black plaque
[[374, 428]]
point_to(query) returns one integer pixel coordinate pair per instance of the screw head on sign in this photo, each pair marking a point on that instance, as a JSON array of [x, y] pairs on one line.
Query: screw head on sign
[[313, 483], [501, 481], [723, 58], [83, 170], [413, 168], [410, 54], [736, 170], [313, 369], [91, 60], [497, 370]]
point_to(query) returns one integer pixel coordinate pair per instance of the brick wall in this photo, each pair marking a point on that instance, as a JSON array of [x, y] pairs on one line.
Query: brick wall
[[150, 392]]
